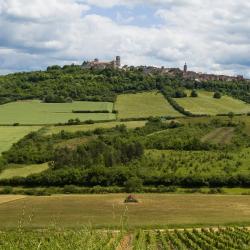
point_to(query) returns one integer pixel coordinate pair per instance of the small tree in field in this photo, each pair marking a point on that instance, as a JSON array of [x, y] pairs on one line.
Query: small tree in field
[[133, 185], [217, 95], [194, 93]]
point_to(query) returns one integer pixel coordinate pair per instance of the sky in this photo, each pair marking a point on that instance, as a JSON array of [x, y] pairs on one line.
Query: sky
[[212, 36]]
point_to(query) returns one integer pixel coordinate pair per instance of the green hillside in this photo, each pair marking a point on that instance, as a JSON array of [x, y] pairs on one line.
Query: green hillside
[[10, 135], [143, 105], [206, 104], [36, 112]]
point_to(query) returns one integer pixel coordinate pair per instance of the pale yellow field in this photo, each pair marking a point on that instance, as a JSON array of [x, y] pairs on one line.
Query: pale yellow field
[[153, 210], [9, 198]]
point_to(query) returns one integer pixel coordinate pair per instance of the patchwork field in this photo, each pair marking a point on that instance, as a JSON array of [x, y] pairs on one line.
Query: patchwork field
[[153, 210], [144, 104], [206, 104], [90, 127], [22, 171], [219, 136], [10, 135], [36, 112]]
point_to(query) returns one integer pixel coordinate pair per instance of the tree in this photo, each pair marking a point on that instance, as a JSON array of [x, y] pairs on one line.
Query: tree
[[134, 184], [194, 93], [217, 95]]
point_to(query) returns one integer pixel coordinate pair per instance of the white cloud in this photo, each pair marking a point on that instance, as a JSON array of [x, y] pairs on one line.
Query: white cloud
[[212, 36]]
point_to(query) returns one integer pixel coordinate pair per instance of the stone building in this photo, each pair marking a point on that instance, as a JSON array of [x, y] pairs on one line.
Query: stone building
[[96, 64]]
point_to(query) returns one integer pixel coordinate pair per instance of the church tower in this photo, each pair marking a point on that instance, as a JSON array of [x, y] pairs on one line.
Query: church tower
[[185, 68], [118, 61]]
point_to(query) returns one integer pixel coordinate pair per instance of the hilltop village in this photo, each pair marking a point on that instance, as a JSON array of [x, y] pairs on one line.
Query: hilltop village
[[191, 75]]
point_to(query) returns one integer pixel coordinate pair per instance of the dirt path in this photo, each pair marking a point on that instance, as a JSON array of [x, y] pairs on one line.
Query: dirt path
[[126, 243]]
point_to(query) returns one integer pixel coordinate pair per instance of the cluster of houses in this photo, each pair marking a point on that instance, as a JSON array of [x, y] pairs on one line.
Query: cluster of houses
[[191, 75]]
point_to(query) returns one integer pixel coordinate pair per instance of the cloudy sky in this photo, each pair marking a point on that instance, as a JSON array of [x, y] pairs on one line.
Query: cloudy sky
[[210, 35]]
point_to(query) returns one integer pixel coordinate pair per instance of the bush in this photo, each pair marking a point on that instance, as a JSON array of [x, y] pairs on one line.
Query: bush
[[7, 190], [217, 95], [70, 189], [134, 185], [194, 94]]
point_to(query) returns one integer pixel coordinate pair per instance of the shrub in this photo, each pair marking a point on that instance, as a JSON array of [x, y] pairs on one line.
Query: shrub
[[217, 95], [134, 185], [7, 190], [194, 94], [69, 189]]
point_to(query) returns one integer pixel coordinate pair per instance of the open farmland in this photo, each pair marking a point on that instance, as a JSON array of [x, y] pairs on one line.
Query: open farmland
[[206, 104], [152, 211], [36, 112], [10, 135], [143, 105], [22, 171], [91, 127]]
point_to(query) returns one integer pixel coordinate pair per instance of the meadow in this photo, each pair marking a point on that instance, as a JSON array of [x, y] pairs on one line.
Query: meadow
[[22, 171], [91, 127], [206, 104], [10, 135], [143, 105], [109, 211], [36, 112]]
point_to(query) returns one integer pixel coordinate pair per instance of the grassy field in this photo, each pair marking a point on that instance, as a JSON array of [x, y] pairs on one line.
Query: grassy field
[[10, 135], [90, 127], [22, 171], [144, 105], [36, 112], [206, 104], [152, 211], [219, 136]]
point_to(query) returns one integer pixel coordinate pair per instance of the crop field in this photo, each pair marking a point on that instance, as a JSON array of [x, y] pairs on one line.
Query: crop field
[[144, 104], [219, 136], [22, 171], [200, 238], [91, 127], [152, 211], [10, 135], [36, 112], [194, 120], [206, 104], [184, 163]]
